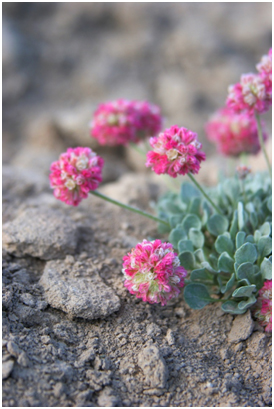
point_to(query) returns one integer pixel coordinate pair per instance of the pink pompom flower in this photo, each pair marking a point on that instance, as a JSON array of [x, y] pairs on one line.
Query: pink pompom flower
[[177, 151], [153, 273], [120, 122], [234, 133], [250, 94], [265, 69], [77, 172], [263, 308]]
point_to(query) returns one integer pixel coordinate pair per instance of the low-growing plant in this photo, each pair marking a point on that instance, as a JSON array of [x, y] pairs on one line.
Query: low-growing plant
[[220, 247]]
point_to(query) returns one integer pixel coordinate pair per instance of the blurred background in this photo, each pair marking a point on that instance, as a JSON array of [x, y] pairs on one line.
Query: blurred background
[[60, 60]]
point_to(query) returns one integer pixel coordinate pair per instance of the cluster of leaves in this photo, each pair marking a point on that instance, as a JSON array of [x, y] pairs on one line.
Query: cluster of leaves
[[228, 256]]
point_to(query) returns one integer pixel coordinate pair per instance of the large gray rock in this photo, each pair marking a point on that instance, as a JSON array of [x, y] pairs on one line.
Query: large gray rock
[[153, 367], [78, 290], [43, 233]]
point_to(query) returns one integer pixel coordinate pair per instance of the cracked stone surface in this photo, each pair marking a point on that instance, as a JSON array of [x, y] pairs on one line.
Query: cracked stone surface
[[78, 290], [42, 233]]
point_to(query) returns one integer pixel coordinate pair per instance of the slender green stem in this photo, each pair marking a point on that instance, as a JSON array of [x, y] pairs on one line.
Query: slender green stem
[[132, 209], [243, 158], [204, 193], [261, 139], [138, 149]]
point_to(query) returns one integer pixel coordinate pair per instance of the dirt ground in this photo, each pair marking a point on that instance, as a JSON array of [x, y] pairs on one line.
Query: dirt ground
[[72, 334]]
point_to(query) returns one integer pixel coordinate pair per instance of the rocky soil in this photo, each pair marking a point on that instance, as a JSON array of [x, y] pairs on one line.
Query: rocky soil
[[72, 334]]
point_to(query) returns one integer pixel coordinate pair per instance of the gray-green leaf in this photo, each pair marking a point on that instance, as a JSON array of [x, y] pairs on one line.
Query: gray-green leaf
[[264, 246], [217, 224], [246, 253], [187, 260], [196, 296], [225, 263], [197, 237], [232, 307], [191, 220], [185, 245], [224, 243], [266, 269], [240, 238], [176, 235], [244, 291]]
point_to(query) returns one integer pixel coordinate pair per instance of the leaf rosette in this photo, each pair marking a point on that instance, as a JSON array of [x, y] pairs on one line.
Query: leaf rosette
[[228, 257]]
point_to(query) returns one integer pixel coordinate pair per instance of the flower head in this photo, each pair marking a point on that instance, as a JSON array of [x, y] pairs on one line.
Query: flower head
[[265, 69], [177, 151], [234, 133], [250, 94], [152, 272], [120, 122], [77, 171], [263, 307]]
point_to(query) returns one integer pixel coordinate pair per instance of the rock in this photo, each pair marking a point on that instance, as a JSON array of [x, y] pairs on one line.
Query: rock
[[256, 344], [23, 360], [107, 398], [153, 330], [73, 125], [87, 356], [153, 367], [28, 299], [98, 379], [20, 182], [79, 296], [242, 328], [59, 389], [7, 367], [42, 233], [13, 349], [170, 337], [133, 188]]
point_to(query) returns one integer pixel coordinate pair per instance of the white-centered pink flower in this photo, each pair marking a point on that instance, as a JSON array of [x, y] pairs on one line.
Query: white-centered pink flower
[[250, 94], [176, 151], [75, 174], [153, 273]]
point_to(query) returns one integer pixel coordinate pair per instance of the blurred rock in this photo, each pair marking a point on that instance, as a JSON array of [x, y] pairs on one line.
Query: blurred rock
[[42, 233]]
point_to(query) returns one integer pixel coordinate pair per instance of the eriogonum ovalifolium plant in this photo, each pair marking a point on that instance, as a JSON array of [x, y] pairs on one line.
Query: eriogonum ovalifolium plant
[[219, 238]]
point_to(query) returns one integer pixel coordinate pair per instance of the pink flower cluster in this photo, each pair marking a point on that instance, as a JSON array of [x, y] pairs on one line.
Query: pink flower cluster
[[263, 311], [122, 121], [254, 91], [265, 69], [76, 172], [234, 133], [177, 151], [153, 273]]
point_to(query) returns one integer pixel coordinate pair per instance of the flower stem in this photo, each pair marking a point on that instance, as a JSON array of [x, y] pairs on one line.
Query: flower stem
[[261, 139], [204, 193], [124, 206], [138, 149]]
